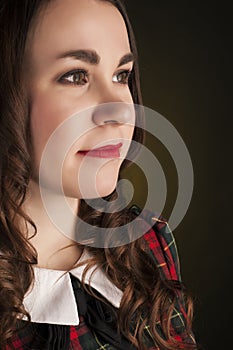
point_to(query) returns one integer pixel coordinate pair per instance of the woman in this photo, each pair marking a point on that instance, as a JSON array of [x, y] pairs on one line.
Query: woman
[[58, 59]]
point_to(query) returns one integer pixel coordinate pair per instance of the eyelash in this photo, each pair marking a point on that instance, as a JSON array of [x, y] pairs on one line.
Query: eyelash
[[69, 74]]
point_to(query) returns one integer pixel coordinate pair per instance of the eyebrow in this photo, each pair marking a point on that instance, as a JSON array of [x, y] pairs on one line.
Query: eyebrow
[[92, 57]]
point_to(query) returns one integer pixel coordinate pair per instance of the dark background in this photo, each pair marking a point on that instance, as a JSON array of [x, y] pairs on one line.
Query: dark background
[[186, 75]]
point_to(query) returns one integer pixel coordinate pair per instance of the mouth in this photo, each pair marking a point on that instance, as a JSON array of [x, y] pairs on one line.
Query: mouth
[[109, 151]]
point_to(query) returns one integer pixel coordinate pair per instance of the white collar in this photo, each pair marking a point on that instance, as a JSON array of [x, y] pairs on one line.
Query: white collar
[[52, 300]]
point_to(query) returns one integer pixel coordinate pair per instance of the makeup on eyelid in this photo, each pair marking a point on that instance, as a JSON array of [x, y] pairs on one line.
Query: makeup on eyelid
[[86, 74]]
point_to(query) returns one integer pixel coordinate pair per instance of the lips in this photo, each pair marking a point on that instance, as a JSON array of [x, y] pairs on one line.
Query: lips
[[108, 151]]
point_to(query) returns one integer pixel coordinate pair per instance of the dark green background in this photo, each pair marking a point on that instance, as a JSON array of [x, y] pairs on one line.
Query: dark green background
[[184, 56]]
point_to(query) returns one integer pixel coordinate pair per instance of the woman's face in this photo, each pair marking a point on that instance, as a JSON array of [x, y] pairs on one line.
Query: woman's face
[[61, 85]]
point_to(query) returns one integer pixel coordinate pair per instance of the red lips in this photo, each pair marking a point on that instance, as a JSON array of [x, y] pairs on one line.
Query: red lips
[[108, 151]]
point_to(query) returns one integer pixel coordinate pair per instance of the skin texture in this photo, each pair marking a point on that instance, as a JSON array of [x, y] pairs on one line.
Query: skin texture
[[64, 26]]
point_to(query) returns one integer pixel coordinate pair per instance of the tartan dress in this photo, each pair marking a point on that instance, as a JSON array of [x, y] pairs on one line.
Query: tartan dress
[[96, 329]]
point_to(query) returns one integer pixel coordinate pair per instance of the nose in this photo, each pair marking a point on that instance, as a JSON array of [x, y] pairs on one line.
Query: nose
[[111, 113]]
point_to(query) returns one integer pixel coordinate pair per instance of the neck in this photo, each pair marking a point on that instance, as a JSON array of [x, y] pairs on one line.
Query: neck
[[54, 216]]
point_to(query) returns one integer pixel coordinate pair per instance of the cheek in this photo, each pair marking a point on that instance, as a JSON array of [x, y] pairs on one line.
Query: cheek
[[49, 110], [47, 113], [44, 116]]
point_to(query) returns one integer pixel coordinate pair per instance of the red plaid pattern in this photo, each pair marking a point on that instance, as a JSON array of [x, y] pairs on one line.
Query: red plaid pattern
[[163, 250]]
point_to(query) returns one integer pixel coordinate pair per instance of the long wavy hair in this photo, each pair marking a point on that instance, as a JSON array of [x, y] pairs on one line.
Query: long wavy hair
[[127, 266]]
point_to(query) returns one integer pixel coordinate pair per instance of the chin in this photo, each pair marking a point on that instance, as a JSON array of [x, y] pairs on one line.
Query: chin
[[101, 189], [106, 188], [106, 179], [103, 184]]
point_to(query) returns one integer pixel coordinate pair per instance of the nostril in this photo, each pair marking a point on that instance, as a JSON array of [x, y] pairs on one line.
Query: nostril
[[120, 111], [111, 121]]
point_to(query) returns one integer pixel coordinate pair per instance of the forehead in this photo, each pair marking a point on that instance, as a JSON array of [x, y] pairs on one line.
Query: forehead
[[78, 24]]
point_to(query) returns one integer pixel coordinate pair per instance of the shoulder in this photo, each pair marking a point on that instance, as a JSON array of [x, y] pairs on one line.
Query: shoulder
[[161, 243], [162, 247]]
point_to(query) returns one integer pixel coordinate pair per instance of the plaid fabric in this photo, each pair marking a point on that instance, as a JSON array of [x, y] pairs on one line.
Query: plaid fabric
[[163, 250]]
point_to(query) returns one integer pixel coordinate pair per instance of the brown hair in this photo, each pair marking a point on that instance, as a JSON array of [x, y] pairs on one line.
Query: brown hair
[[133, 270]]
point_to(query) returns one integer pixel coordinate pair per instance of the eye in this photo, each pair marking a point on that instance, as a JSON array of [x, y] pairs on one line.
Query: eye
[[75, 77], [122, 77]]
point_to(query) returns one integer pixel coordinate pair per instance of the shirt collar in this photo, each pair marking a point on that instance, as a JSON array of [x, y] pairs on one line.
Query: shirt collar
[[52, 300]]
